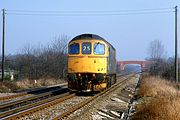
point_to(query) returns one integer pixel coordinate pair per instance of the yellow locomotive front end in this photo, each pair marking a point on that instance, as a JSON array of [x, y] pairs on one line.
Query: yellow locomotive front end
[[88, 63]]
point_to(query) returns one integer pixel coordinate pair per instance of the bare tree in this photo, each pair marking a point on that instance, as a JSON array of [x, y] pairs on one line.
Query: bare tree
[[156, 50], [161, 65], [156, 54], [39, 61], [59, 50]]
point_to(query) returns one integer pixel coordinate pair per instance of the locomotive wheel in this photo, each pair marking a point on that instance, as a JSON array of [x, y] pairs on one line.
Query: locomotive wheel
[[92, 87], [80, 85]]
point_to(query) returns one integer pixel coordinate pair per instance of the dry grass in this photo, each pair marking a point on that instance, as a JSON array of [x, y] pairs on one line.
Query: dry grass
[[164, 103], [6, 87], [153, 86], [25, 84]]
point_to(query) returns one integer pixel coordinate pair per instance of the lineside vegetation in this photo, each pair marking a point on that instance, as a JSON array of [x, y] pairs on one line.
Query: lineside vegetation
[[162, 65], [157, 99], [40, 61], [45, 64]]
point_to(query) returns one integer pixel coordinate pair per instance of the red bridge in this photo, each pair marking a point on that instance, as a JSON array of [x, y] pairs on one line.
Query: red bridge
[[143, 64]]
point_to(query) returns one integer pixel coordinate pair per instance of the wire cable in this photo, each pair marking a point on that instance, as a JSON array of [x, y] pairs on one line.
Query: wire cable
[[135, 10], [92, 14]]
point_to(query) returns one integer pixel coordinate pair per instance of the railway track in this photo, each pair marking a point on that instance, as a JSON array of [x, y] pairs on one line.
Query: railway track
[[85, 102], [27, 109], [31, 91], [39, 106], [16, 106]]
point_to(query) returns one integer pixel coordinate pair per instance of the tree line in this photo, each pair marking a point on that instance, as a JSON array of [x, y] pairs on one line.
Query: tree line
[[34, 62], [162, 65]]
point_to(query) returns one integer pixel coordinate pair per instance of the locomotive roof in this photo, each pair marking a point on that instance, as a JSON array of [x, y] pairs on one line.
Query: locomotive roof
[[90, 37]]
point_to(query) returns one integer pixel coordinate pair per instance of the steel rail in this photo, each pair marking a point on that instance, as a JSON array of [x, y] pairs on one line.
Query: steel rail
[[29, 92], [16, 110], [40, 107], [13, 96], [85, 102], [26, 100]]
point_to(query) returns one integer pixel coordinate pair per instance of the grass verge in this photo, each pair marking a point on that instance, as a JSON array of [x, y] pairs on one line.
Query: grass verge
[[158, 100], [11, 86]]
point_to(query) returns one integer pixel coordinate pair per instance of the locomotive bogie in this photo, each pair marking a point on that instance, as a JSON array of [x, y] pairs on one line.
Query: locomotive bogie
[[87, 82]]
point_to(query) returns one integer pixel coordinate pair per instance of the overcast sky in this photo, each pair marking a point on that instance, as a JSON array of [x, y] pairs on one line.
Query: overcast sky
[[130, 34]]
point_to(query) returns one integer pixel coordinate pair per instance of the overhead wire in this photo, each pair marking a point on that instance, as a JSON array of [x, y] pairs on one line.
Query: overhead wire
[[89, 13], [132, 10], [100, 14]]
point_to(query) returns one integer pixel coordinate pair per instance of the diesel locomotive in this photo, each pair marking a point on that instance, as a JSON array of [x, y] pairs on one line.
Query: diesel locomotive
[[91, 63]]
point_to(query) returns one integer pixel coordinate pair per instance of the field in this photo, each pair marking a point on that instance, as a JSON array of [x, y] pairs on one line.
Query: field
[[158, 99]]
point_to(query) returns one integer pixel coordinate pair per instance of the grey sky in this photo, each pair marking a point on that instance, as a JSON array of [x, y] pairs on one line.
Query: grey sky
[[130, 34]]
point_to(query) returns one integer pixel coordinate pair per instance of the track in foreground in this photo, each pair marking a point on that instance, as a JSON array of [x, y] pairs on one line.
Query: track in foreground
[[14, 107], [33, 91], [85, 102], [56, 100]]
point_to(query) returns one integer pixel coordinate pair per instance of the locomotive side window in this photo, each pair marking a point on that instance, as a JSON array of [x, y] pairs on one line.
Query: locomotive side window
[[86, 48], [99, 48], [74, 48]]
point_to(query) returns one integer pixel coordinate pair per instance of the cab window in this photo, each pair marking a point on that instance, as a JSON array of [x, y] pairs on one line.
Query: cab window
[[74, 48], [99, 48], [86, 48]]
